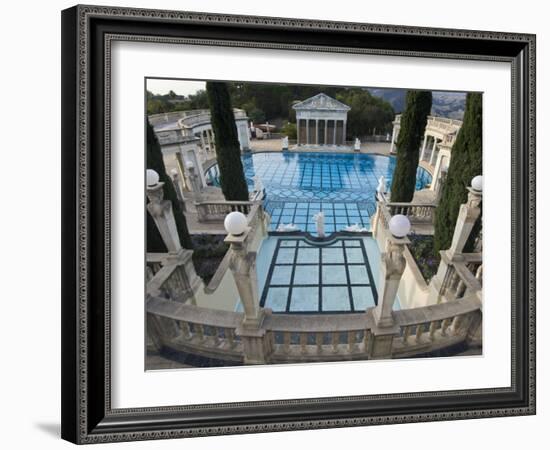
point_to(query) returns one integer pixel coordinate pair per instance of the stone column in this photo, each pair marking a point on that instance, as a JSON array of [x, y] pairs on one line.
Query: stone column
[[162, 214], [307, 132], [334, 126], [434, 151], [297, 131], [316, 131], [208, 141], [212, 139], [203, 144], [193, 178], [176, 182], [391, 270], [424, 147], [437, 172], [344, 125], [326, 131], [392, 146], [243, 267]]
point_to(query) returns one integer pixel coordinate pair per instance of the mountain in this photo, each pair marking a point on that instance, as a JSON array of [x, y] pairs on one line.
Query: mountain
[[444, 104]]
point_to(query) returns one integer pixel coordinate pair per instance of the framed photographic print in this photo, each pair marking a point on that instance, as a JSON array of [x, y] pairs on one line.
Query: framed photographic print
[[282, 224]]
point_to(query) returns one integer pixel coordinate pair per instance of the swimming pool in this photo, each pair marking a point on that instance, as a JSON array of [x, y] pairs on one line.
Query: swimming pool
[[299, 185]]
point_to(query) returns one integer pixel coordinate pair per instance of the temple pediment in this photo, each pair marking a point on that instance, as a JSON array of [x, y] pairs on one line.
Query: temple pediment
[[321, 102]]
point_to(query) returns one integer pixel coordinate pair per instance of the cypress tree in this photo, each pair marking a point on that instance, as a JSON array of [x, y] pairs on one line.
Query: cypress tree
[[156, 162], [466, 163], [418, 105], [228, 152]]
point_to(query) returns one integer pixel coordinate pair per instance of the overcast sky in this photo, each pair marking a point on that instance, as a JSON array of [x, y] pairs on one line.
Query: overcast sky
[[180, 87]]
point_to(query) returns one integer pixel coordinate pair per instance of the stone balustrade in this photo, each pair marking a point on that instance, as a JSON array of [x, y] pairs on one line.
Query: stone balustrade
[[416, 212], [216, 211], [296, 338]]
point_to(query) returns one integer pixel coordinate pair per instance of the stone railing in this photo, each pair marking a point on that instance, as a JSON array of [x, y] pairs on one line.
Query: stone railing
[[216, 211], [443, 123], [202, 116], [462, 277], [171, 276], [416, 212], [291, 338]]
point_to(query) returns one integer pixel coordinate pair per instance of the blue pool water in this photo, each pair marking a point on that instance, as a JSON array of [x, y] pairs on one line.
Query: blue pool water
[[299, 185]]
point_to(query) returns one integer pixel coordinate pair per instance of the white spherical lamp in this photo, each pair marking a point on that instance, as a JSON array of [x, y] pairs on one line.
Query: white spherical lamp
[[174, 172], [477, 183], [152, 178], [399, 226], [235, 223]]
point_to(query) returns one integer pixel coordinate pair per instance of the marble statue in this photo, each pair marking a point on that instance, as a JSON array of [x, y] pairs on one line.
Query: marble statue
[[357, 146], [284, 143], [381, 188], [258, 185], [320, 223], [355, 228], [287, 227]]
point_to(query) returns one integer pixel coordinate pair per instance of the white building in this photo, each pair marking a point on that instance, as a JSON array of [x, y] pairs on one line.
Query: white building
[[321, 121], [187, 139]]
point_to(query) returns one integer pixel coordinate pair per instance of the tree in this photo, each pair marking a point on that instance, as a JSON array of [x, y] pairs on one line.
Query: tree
[[289, 129], [466, 163], [367, 112], [413, 122], [232, 180], [156, 162]]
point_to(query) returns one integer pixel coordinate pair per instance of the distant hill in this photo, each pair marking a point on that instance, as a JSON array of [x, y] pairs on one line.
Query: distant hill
[[444, 104]]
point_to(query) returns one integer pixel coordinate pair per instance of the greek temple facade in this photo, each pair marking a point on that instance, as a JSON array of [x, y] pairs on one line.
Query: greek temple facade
[[321, 121]]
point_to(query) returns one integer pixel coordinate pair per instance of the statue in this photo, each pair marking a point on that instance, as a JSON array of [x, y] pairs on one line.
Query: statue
[[357, 146], [287, 227], [284, 143], [320, 223], [356, 228], [258, 185], [381, 188]]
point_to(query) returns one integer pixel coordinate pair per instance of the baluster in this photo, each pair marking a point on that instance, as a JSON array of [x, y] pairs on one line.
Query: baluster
[[406, 333], [433, 327], [351, 341], [286, 342], [185, 331], [444, 325], [479, 272], [303, 343], [216, 335], [418, 334], [366, 338], [460, 289], [199, 331], [319, 342], [455, 325], [334, 338], [230, 336]]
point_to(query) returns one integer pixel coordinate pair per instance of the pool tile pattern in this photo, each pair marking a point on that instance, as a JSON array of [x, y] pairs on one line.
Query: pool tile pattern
[[299, 185], [310, 277]]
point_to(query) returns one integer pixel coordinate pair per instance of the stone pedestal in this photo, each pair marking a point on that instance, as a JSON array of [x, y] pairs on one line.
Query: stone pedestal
[[391, 269], [255, 343], [467, 216], [162, 214], [243, 267], [381, 341]]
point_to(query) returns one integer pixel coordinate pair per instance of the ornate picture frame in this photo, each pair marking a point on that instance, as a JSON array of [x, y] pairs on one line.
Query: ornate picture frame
[[87, 35]]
